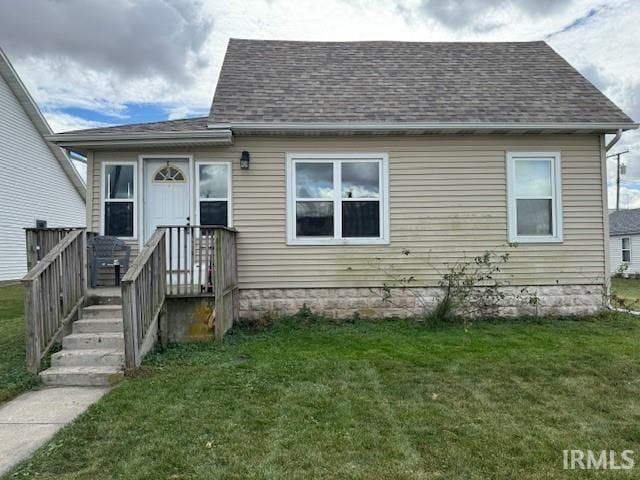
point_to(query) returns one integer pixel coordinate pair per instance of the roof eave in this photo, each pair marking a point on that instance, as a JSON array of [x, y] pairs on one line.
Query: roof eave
[[276, 128], [95, 141]]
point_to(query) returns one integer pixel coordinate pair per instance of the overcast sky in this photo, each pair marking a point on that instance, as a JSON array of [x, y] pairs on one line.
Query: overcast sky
[[101, 62]]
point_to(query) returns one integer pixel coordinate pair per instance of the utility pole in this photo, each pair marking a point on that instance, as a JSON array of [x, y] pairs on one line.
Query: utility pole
[[620, 170]]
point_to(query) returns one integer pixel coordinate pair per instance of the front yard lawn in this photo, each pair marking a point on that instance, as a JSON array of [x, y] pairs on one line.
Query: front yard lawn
[[366, 400], [628, 289], [13, 372]]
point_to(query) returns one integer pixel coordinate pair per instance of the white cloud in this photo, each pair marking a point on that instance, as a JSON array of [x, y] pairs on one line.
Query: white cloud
[[63, 122], [629, 198]]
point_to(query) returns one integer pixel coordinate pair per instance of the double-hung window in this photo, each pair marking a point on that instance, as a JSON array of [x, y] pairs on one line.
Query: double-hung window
[[626, 249], [535, 198], [214, 193], [337, 199], [119, 199]]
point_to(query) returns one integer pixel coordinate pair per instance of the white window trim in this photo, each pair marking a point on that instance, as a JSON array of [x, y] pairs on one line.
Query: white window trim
[[103, 194], [556, 197], [622, 250], [333, 158], [229, 198]]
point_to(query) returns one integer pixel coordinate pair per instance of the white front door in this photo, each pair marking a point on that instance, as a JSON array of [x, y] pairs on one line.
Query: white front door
[[166, 194]]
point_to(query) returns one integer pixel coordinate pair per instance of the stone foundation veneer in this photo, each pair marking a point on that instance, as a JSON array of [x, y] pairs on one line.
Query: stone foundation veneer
[[367, 302]]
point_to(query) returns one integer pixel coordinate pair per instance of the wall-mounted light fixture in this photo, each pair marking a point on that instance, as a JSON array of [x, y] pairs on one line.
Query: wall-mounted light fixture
[[244, 160]]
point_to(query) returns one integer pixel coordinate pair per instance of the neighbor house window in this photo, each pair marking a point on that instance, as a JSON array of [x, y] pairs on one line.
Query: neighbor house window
[[119, 199], [626, 250], [337, 199], [534, 191], [214, 193]]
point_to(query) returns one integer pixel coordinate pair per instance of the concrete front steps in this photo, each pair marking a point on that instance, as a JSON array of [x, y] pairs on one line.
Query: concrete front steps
[[93, 354]]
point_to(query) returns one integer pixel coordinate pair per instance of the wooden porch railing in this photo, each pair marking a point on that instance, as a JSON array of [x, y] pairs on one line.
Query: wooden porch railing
[[191, 258], [55, 288], [178, 261], [40, 241], [144, 289], [225, 281], [202, 261]]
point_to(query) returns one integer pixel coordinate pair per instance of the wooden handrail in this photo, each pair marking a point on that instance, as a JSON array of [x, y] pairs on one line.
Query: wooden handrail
[[144, 289], [55, 290], [144, 255]]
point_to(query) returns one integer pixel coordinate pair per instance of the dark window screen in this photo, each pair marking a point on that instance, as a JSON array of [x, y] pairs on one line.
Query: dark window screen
[[213, 213], [361, 219], [314, 219], [118, 219]]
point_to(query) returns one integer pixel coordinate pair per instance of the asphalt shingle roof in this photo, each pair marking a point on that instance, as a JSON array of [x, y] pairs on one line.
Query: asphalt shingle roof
[[514, 82], [182, 125], [625, 222]]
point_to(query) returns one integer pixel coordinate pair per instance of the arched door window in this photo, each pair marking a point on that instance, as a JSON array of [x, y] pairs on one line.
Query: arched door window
[[168, 174]]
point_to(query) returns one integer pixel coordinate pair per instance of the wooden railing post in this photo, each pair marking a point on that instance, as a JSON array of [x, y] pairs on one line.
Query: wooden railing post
[[129, 317], [32, 326], [83, 262]]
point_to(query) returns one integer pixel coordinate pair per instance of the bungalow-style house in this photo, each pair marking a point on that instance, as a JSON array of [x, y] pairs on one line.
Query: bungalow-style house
[[624, 244], [40, 186], [341, 166]]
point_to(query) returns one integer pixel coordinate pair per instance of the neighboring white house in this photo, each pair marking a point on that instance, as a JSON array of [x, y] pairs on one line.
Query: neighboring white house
[[39, 184], [624, 244]]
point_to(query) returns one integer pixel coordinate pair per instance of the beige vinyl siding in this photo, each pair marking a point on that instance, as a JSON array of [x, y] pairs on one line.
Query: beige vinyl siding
[[448, 200]]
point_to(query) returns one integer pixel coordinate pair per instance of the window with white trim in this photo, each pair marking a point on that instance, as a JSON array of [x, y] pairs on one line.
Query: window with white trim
[[337, 199], [119, 199], [626, 249], [214, 193], [534, 191]]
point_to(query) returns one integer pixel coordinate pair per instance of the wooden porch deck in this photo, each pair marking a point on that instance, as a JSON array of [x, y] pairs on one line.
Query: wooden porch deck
[[177, 261]]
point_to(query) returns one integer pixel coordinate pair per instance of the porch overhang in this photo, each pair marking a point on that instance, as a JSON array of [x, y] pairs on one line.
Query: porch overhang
[[100, 141], [420, 128]]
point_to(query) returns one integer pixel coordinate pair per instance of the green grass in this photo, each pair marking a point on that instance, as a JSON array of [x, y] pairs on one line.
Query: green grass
[[366, 400], [627, 289], [13, 373]]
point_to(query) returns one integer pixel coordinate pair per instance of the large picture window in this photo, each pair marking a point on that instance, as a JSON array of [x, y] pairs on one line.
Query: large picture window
[[534, 190], [214, 193], [119, 199], [337, 199]]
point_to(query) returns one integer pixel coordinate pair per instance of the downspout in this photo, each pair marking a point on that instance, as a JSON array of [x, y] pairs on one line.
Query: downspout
[[614, 140]]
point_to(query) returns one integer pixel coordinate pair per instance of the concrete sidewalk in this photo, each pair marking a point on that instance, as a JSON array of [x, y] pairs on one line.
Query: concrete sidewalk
[[30, 420]]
